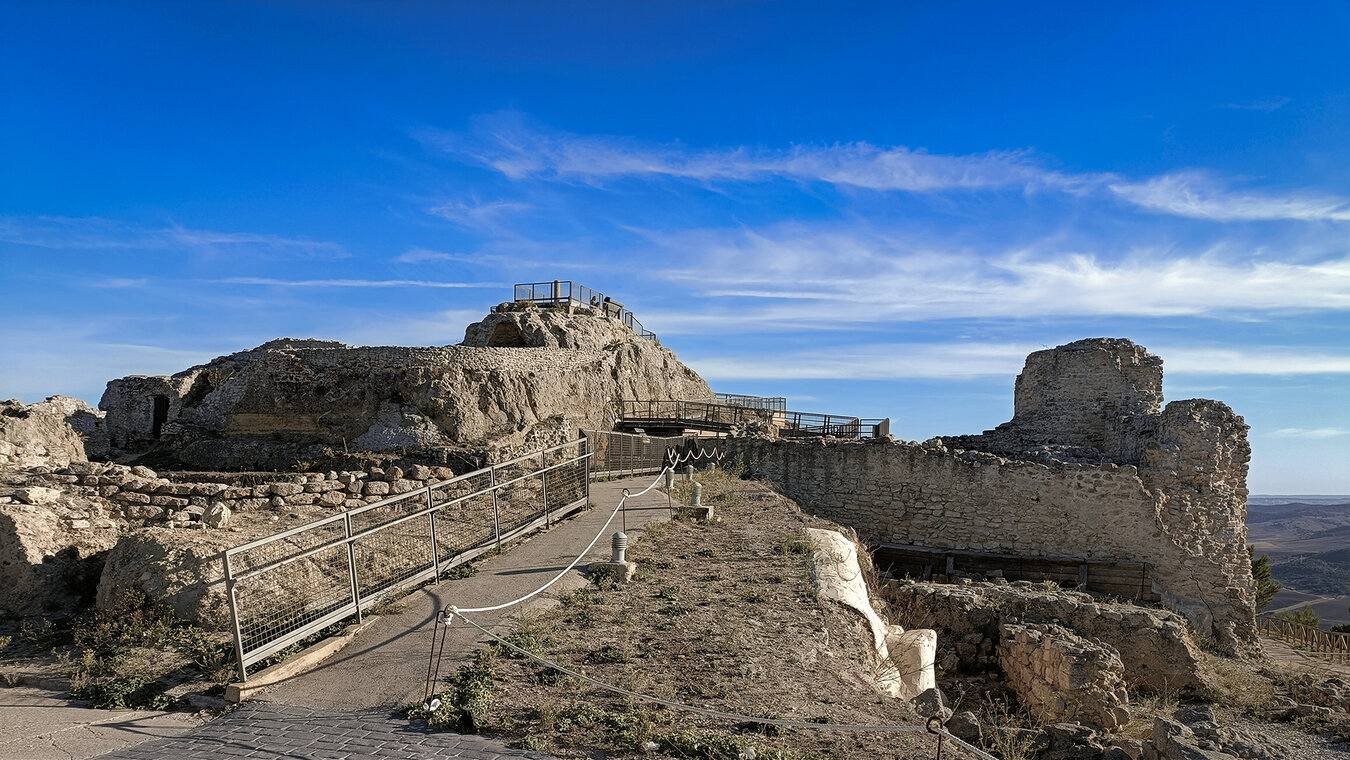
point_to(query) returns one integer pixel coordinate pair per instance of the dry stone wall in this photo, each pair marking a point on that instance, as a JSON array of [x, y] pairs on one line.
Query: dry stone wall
[[1087, 470], [1064, 677]]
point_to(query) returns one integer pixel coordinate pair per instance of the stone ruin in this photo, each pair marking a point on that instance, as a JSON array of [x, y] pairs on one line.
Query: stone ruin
[[1090, 469]]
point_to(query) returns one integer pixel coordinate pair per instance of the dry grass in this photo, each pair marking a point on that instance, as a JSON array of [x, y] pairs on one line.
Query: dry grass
[[721, 615]]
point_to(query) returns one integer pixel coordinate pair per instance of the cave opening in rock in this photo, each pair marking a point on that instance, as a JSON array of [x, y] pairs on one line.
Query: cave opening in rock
[[160, 415], [507, 335]]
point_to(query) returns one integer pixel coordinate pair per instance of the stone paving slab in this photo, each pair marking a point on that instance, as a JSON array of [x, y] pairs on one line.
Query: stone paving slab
[[271, 730], [39, 724]]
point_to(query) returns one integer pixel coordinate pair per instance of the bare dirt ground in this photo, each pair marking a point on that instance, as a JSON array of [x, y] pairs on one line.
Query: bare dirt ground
[[720, 615]]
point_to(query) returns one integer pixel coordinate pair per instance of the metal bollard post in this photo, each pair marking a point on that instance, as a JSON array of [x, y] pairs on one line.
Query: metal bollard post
[[619, 545], [696, 495], [670, 479], [689, 472]]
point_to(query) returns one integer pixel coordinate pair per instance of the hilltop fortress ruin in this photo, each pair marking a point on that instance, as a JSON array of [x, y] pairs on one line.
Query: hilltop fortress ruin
[[1091, 469]]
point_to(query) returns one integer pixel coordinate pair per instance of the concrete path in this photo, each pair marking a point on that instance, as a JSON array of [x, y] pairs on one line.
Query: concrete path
[[386, 666], [268, 730], [40, 724]]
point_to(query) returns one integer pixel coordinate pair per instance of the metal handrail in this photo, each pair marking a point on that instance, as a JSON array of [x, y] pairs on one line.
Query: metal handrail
[[772, 403], [566, 292], [725, 415]]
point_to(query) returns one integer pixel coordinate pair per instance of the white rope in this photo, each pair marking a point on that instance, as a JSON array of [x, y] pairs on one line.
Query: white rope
[[736, 717], [566, 570]]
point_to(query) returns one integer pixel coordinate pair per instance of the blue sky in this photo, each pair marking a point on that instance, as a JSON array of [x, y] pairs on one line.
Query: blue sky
[[870, 208]]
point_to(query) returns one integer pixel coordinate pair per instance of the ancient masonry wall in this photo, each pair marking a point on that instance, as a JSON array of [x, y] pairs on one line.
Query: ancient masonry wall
[[1179, 506]]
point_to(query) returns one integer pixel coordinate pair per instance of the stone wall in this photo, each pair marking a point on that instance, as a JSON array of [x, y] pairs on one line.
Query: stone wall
[[1063, 677], [290, 400], [1168, 489]]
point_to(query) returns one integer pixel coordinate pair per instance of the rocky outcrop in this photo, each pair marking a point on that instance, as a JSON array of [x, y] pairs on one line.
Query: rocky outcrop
[[522, 375], [54, 432], [180, 568], [1155, 648]]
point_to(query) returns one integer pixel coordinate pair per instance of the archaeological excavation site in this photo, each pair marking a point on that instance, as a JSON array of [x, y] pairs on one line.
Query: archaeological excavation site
[[1072, 584]]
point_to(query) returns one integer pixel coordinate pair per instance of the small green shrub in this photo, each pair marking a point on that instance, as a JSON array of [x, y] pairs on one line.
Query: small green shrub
[[609, 654]]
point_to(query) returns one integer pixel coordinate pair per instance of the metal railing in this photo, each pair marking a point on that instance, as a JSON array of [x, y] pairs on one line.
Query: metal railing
[[772, 403], [295, 583], [564, 292], [1330, 645], [706, 415], [623, 454]]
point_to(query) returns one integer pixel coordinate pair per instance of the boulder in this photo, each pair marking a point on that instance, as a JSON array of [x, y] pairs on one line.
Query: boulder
[[217, 516], [47, 565], [181, 568]]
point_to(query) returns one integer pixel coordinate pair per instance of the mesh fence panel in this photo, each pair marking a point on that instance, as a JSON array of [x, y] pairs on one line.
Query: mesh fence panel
[[285, 599], [287, 586]]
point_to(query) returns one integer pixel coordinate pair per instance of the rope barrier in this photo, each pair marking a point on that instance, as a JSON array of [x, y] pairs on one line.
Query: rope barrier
[[582, 555]]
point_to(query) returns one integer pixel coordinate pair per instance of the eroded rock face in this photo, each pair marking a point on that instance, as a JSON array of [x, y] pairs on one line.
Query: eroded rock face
[[1155, 647], [180, 568], [51, 555], [50, 433], [520, 370]]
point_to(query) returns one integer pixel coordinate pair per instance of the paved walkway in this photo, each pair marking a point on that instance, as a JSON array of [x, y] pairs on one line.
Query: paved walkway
[[269, 730], [386, 666], [349, 706], [40, 724]]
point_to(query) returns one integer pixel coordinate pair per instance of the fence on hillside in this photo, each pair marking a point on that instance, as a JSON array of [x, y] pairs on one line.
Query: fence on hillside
[[721, 418], [624, 454], [568, 293], [295, 583], [1329, 645]]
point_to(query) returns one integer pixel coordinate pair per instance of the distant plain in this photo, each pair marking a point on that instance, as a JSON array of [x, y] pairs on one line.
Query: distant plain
[[1308, 540]]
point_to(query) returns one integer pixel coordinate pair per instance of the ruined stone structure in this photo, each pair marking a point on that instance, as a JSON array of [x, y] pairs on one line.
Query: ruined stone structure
[[1063, 677], [1089, 468], [495, 394]]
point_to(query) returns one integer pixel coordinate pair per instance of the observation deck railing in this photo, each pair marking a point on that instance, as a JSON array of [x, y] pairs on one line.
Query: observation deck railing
[[565, 292], [706, 415], [772, 403]]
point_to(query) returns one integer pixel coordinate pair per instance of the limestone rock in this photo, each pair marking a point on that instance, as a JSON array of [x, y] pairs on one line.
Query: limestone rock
[[1061, 676], [47, 565], [53, 433], [180, 568], [217, 516], [270, 406]]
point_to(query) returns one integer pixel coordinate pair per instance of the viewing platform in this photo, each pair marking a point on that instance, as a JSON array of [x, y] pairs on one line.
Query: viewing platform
[[571, 294], [719, 418]]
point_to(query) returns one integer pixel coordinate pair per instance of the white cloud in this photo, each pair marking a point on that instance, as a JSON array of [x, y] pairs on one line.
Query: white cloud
[[476, 215], [798, 277], [1265, 105], [520, 150], [349, 283], [966, 360], [419, 255], [1312, 433], [1199, 196], [92, 233]]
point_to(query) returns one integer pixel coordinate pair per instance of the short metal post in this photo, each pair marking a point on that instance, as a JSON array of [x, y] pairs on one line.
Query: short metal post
[[696, 495], [351, 564], [543, 479], [234, 618], [435, 550], [689, 472], [496, 515], [623, 503]]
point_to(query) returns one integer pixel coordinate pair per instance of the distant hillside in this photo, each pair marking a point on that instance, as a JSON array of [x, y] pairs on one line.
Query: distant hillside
[[1308, 540]]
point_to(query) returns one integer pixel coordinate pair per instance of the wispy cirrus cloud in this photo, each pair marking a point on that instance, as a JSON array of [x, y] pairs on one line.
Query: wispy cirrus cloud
[[352, 283], [478, 215], [511, 145], [967, 360], [1265, 105], [92, 233], [1199, 196], [792, 277], [1315, 434]]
